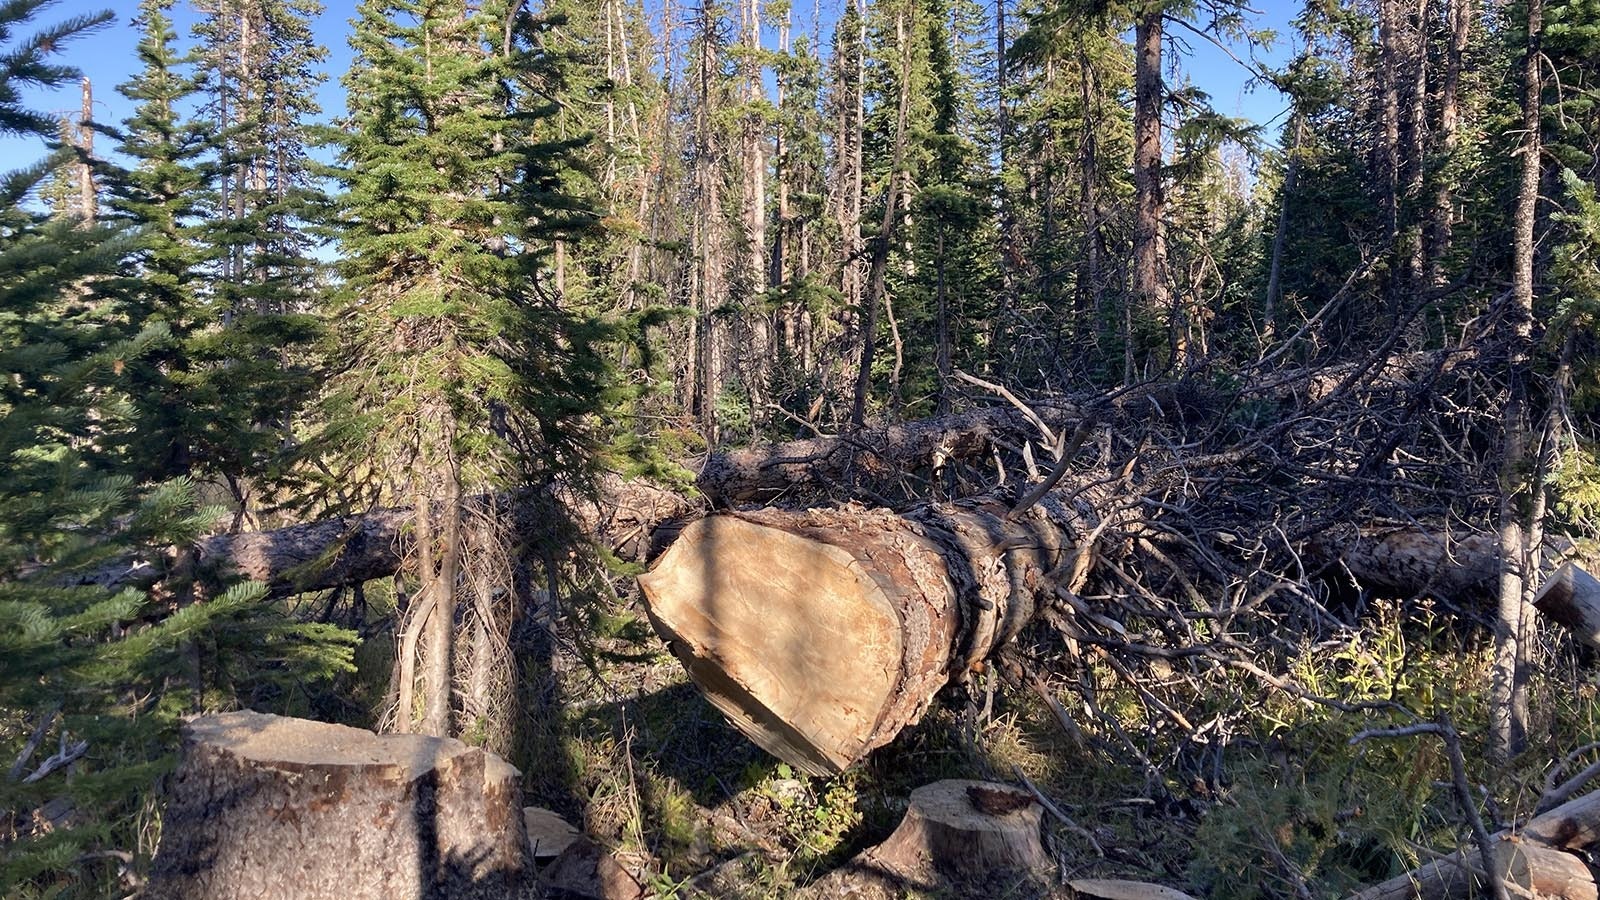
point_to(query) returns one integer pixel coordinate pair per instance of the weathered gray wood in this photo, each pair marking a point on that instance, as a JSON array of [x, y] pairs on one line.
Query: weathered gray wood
[[271, 808]]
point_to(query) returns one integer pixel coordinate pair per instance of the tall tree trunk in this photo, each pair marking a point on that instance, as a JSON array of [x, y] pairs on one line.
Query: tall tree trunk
[[1291, 178], [87, 197], [1514, 620], [1091, 284], [1150, 292], [877, 290], [443, 524], [1389, 147], [1441, 224]]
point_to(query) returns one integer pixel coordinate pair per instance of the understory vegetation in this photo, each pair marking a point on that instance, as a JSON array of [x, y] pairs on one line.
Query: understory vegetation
[[560, 277]]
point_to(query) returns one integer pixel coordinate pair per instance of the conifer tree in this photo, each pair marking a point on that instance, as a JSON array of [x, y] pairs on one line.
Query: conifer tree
[[460, 371], [94, 678]]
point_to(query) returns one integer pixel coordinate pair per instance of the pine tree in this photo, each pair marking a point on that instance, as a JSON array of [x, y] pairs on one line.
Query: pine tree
[[461, 373], [93, 679]]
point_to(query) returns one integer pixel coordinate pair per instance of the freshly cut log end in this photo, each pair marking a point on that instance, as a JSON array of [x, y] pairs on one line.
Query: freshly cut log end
[[1544, 871], [1571, 598], [965, 829], [822, 634], [784, 634], [1122, 889], [267, 807]]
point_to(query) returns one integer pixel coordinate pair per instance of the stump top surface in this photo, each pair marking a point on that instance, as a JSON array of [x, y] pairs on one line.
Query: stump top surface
[[951, 802], [302, 743]]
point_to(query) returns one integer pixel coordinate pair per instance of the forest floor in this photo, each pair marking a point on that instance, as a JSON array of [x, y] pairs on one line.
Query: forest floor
[[1275, 802]]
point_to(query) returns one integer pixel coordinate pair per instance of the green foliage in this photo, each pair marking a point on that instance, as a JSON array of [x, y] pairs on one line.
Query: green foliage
[[450, 343], [101, 674]]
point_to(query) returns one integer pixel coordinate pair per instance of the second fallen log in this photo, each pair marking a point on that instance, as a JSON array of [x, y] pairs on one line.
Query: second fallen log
[[822, 634]]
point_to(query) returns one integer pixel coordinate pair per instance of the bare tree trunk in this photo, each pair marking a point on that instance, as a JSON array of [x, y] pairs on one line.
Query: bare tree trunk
[[1091, 286], [707, 368], [87, 197], [876, 272], [1389, 148], [1514, 622], [1441, 226], [1150, 292], [1291, 177]]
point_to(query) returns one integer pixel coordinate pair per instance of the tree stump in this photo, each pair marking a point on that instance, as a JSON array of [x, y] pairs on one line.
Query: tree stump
[[965, 829], [271, 808]]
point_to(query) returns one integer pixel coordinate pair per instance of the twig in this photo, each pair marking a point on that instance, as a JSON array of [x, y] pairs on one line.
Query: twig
[[67, 755], [34, 740], [1555, 796], [1063, 460], [1054, 810], [1446, 731], [1026, 410]]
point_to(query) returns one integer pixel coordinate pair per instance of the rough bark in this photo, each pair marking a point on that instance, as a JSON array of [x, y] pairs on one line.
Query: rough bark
[[1513, 628], [1149, 242], [1441, 225], [876, 287], [266, 807], [822, 634]]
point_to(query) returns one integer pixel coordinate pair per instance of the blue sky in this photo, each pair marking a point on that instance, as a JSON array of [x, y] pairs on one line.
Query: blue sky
[[107, 57]]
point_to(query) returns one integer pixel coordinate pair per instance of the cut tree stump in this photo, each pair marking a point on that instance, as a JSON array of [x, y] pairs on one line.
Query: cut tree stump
[[963, 830], [272, 808], [822, 634]]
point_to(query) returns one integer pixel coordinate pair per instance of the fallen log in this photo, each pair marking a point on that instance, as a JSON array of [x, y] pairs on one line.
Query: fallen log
[[1412, 562], [1571, 597], [822, 634], [762, 473], [623, 515], [1544, 871], [266, 807], [1571, 828]]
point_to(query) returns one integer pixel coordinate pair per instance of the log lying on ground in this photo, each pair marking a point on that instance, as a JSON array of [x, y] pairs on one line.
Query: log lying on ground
[[761, 473], [1571, 597], [339, 551], [1573, 827], [1408, 562], [265, 807], [822, 634]]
